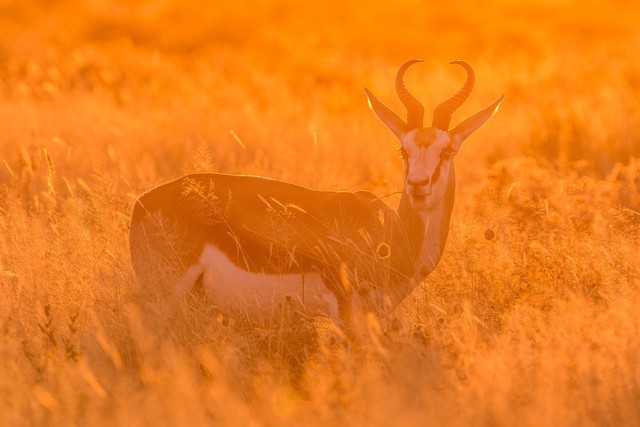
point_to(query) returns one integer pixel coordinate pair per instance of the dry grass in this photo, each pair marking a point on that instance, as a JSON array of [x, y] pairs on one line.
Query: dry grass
[[100, 100]]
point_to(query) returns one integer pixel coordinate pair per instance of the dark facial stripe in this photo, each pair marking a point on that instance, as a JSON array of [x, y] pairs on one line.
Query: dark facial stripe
[[436, 174], [405, 159]]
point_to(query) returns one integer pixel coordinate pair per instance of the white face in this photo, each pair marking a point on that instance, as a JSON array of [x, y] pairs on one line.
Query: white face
[[428, 161]]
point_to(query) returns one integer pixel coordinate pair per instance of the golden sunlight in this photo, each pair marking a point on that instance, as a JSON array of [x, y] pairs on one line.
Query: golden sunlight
[[206, 219]]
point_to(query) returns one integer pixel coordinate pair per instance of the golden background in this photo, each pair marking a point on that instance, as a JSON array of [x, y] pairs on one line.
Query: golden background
[[102, 100]]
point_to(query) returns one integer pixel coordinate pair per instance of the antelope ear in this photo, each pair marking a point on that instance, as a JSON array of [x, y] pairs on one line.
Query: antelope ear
[[470, 124], [388, 117]]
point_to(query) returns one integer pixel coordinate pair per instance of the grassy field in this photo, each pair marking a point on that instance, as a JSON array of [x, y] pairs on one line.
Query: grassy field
[[101, 100]]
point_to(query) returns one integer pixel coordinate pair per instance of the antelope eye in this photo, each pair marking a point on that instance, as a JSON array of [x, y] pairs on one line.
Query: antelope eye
[[446, 154]]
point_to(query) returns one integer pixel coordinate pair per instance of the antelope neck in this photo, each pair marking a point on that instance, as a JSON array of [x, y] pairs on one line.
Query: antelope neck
[[426, 231]]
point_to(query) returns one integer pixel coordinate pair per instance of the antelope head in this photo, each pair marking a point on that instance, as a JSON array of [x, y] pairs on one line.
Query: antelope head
[[428, 152]]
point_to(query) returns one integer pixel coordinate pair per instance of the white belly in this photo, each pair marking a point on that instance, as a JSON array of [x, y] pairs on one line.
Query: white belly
[[262, 297]]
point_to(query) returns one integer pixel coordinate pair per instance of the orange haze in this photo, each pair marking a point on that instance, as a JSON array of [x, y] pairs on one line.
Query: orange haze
[[101, 100]]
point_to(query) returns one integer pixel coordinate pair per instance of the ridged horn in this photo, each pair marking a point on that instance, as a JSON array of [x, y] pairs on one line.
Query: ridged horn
[[442, 113], [415, 110]]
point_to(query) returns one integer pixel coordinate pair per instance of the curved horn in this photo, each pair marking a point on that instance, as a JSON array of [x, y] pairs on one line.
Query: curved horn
[[442, 113], [415, 110]]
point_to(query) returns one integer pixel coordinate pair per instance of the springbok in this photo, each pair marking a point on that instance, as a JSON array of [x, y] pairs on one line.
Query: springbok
[[260, 245]]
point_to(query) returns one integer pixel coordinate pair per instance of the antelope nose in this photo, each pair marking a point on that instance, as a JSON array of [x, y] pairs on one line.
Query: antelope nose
[[419, 182]]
